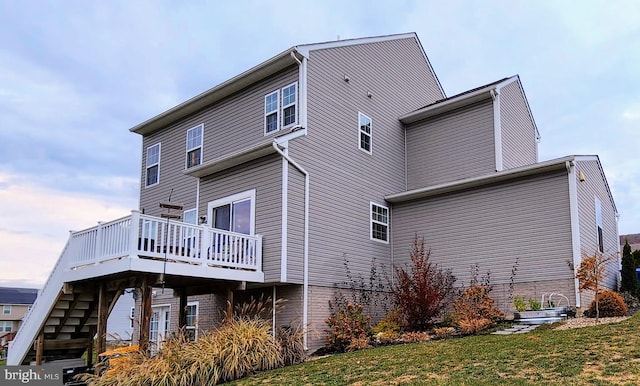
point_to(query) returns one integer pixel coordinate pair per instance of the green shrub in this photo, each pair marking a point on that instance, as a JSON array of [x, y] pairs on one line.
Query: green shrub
[[534, 305], [348, 323], [519, 303], [609, 304], [390, 323]]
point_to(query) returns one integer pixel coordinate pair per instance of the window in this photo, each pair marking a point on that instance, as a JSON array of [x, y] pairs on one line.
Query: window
[[279, 113], [194, 146], [192, 320], [234, 213], [6, 325], [379, 223], [364, 128], [190, 217], [599, 227], [271, 109], [289, 105], [6, 309], [153, 165]]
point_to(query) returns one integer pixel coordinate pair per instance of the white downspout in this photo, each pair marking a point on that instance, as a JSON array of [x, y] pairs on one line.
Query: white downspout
[[305, 259], [575, 226]]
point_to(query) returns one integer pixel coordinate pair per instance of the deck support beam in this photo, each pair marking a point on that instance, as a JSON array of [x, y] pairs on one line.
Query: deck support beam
[[39, 347], [145, 317], [182, 308], [103, 314], [229, 316]]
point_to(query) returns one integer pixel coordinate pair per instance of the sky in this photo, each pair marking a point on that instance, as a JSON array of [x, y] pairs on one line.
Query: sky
[[76, 75]]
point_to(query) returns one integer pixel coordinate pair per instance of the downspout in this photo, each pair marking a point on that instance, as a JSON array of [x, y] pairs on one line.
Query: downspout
[[305, 259], [575, 226], [497, 129]]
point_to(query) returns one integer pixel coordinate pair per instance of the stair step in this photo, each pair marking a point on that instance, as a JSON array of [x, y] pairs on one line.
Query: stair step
[[64, 329]]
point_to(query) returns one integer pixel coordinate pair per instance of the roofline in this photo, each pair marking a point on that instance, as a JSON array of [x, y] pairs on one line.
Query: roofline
[[506, 175], [455, 102], [235, 84], [254, 74], [604, 177]]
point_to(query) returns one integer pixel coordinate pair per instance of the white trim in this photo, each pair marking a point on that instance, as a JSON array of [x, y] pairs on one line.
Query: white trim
[[575, 226], [294, 104], [373, 221], [370, 133], [147, 166], [248, 194], [198, 200], [302, 79], [276, 111], [190, 149], [497, 129], [285, 218]]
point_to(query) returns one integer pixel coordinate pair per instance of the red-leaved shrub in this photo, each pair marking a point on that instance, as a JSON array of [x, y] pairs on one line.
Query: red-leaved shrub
[[422, 292]]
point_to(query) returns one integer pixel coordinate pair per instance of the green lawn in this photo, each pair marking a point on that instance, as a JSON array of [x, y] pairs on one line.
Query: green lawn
[[601, 355]]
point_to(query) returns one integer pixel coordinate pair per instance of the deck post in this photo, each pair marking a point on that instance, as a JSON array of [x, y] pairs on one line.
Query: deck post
[[98, 249], [92, 333], [145, 317], [134, 233], [229, 317], [39, 347], [182, 309], [103, 314]]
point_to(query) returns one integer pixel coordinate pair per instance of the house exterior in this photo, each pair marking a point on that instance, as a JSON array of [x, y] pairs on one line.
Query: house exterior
[[14, 303], [333, 152], [633, 240]]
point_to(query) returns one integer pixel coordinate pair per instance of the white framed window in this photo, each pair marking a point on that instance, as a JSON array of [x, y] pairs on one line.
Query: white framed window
[[191, 328], [289, 105], [190, 217], [364, 132], [599, 226], [6, 325], [234, 213], [271, 112], [152, 176], [194, 146], [379, 216], [6, 309]]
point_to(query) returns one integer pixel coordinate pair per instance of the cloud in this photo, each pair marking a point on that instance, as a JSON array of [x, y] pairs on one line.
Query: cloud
[[35, 225]]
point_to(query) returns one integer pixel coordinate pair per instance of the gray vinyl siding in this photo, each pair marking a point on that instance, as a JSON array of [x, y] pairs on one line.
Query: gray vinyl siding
[[519, 145], [527, 219], [343, 178], [233, 124], [295, 226], [264, 175], [452, 146], [594, 186], [172, 181]]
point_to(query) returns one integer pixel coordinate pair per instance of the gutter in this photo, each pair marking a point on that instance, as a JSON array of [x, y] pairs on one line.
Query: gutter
[[305, 260]]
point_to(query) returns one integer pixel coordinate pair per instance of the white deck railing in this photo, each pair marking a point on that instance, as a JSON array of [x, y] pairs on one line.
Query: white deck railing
[[144, 236]]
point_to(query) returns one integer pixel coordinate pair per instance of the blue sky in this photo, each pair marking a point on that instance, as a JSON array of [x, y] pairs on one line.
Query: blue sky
[[76, 75]]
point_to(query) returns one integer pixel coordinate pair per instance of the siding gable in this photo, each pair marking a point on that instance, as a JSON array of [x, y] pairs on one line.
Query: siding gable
[[456, 145], [519, 143]]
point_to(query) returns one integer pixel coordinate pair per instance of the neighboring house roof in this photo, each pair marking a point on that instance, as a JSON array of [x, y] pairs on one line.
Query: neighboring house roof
[[10, 295], [269, 67], [464, 99], [633, 239], [505, 175]]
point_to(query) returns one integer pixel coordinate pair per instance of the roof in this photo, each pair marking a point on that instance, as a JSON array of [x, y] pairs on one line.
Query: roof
[[10, 295], [633, 239], [271, 66], [492, 178]]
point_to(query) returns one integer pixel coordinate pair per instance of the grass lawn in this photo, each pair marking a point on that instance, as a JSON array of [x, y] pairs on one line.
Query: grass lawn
[[600, 355]]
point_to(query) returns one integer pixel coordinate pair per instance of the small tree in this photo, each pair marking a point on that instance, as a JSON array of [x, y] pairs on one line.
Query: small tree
[[591, 272], [421, 293], [629, 282]]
